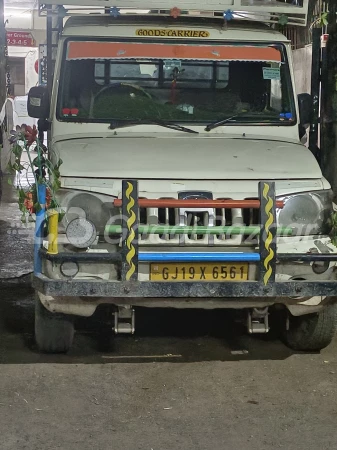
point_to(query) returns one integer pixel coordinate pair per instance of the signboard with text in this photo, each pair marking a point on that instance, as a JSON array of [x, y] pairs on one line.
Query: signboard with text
[[20, 39]]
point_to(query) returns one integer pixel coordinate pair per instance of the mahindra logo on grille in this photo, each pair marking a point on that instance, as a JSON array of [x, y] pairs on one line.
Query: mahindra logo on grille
[[196, 216]]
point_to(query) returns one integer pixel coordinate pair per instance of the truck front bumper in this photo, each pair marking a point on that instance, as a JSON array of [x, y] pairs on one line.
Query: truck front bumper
[[83, 297], [184, 290], [267, 288]]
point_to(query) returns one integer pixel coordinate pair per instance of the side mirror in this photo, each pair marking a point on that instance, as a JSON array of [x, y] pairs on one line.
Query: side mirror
[[305, 106], [38, 102]]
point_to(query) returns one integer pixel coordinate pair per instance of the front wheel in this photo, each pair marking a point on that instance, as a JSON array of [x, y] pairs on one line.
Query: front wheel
[[312, 332], [54, 332]]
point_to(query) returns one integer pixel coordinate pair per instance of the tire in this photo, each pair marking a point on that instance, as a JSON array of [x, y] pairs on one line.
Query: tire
[[312, 332], [54, 332]]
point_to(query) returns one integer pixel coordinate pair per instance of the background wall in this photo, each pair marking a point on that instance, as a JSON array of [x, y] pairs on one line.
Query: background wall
[[25, 21], [30, 55], [302, 68]]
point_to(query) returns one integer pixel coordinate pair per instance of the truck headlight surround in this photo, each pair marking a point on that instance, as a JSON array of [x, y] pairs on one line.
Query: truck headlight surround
[[307, 212], [94, 207]]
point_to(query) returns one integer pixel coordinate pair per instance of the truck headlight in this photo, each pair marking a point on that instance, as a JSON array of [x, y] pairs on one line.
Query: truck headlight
[[307, 213], [96, 208]]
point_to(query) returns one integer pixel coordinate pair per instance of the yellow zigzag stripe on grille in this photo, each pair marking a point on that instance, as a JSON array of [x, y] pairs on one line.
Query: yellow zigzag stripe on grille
[[130, 222], [269, 239]]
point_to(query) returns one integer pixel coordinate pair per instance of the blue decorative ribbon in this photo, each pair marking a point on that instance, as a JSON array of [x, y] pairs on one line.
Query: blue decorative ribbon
[[115, 12], [228, 15]]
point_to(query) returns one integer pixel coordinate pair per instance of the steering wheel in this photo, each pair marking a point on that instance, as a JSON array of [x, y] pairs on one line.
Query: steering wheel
[[139, 90]]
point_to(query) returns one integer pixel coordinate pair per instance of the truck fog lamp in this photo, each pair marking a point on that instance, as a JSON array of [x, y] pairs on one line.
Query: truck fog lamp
[[81, 233], [320, 267], [69, 269]]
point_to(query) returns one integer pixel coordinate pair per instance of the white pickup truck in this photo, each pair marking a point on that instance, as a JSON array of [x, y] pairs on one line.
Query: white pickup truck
[[184, 179]]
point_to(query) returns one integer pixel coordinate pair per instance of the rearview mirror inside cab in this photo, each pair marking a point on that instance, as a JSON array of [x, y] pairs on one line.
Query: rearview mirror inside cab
[[38, 102]]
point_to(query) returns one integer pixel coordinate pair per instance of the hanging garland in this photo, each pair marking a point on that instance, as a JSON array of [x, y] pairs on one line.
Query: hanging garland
[[24, 139]]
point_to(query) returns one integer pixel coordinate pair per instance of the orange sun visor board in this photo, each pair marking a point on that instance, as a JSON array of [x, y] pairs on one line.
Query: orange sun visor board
[[123, 50]]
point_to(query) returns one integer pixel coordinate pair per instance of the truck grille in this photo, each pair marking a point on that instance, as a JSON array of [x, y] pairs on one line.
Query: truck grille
[[250, 215], [207, 217]]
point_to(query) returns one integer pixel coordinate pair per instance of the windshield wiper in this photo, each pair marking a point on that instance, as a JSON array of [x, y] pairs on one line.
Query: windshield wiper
[[130, 123], [213, 125]]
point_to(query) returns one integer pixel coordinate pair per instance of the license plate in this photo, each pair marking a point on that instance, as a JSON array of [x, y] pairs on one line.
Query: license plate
[[199, 272]]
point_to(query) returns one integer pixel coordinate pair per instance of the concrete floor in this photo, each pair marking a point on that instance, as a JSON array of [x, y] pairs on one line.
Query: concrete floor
[[187, 380]]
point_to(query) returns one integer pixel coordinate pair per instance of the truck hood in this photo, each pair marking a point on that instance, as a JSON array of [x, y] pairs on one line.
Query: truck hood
[[184, 158]]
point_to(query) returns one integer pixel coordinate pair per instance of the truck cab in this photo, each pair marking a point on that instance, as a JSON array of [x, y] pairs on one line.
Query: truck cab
[[185, 177]]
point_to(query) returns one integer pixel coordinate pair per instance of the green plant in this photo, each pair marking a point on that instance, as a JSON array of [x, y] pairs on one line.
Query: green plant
[[283, 19], [24, 141], [321, 21]]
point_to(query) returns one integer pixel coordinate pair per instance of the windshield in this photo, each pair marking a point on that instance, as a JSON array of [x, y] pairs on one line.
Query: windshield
[[110, 81]]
